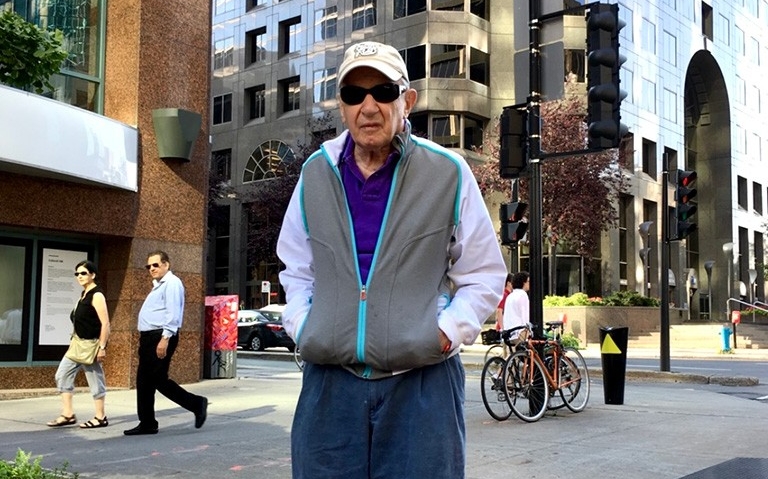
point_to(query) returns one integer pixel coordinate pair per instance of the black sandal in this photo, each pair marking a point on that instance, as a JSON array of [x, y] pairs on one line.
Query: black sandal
[[62, 421], [94, 423]]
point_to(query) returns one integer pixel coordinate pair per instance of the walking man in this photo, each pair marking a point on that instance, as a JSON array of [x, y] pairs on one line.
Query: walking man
[[160, 319]]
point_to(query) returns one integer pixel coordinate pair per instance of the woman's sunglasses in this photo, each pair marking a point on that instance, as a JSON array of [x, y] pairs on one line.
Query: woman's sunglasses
[[81, 273], [384, 93]]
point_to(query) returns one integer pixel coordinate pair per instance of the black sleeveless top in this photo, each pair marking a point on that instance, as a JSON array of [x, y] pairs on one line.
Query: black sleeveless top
[[87, 324]]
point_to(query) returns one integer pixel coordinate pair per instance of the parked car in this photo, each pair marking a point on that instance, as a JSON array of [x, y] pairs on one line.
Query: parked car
[[260, 330], [272, 311]]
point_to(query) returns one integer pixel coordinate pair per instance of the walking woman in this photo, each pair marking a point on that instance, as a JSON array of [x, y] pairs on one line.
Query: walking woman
[[91, 321]]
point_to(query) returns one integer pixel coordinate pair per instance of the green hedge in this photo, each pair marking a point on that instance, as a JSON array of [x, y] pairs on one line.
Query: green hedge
[[619, 298]]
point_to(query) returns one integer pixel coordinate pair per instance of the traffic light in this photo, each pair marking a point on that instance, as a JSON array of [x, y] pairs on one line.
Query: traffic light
[[684, 211], [604, 61], [513, 153], [512, 227]]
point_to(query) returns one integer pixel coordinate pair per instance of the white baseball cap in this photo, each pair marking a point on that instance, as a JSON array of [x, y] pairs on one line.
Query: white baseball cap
[[383, 58]]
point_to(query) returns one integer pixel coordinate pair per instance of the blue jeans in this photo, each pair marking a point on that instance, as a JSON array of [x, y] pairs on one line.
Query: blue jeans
[[407, 426]]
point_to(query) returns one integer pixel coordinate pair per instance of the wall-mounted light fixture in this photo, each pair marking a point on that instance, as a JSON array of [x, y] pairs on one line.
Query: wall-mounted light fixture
[[176, 131]]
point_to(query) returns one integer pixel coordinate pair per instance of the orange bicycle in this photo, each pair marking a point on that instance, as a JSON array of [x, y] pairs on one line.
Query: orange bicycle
[[535, 383]]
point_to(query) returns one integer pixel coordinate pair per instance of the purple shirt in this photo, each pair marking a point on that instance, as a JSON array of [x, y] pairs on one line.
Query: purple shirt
[[367, 201]]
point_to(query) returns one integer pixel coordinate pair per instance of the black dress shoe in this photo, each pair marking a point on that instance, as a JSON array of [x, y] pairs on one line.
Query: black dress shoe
[[201, 415], [139, 431]]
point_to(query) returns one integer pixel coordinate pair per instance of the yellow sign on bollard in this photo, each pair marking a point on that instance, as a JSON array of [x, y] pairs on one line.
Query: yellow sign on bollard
[[609, 346]]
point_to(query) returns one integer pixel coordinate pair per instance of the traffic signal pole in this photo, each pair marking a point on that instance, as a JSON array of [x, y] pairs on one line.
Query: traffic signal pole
[[536, 263], [664, 340]]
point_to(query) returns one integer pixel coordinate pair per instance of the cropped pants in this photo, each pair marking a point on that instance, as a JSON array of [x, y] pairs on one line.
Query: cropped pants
[[94, 374], [407, 426]]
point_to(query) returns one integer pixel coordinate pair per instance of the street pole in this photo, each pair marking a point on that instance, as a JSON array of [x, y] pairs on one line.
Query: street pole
[[664, 343], [514, 251], [534, 160]]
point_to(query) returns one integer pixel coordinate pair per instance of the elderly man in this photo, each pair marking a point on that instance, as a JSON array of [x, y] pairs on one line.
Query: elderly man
[[391, 264]]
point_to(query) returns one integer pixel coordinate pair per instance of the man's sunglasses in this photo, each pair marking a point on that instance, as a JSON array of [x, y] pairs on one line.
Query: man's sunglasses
[[384, 93], [153, 265]]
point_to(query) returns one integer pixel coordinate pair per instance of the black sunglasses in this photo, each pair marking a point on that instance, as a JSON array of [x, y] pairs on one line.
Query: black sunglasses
[[153, 265], [384, 93], [81, 273]]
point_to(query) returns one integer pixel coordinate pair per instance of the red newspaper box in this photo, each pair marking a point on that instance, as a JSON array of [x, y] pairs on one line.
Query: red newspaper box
[[220, 345]]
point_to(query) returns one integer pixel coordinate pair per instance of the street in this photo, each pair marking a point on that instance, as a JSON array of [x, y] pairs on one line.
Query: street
[[662, 431]]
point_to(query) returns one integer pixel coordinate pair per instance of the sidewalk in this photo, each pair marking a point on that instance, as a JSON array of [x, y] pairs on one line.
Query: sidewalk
[[660, 432]]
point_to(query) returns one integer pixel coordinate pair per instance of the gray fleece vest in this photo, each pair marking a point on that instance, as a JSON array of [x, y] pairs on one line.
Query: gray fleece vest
[[390, 323]]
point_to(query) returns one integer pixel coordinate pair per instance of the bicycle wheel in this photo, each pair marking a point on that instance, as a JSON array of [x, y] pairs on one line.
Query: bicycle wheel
[[493, 391], [497, 350], [555, 398], [574, 380], [527, 389], [297, 358]]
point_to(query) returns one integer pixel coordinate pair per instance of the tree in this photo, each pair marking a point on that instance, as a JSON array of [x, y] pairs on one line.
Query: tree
[[29, 55], [578, 191], [269, 198]]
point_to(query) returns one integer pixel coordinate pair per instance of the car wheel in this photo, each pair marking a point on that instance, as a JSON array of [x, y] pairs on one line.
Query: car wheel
[[256, 343]]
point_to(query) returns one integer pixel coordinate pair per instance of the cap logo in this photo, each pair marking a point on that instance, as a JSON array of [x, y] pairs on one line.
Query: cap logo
[[365, 50]]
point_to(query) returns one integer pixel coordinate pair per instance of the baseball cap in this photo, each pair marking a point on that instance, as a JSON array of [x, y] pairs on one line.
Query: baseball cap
[[383, 58]]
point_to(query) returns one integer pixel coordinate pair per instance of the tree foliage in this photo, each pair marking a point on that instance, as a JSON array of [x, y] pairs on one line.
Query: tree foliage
[[29, 55], [269, 198], [578, 192]]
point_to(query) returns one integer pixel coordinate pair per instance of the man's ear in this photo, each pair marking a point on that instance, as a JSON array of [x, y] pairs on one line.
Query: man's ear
[[410, 100]]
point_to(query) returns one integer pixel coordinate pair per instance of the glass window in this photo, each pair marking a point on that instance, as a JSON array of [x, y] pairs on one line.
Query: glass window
[[416, 61], [479, 66], [404, 8], [224, 6], [255, 102], [324, 85], [757, 198], [223, 53], [447, 61], [289, 35], [628, 32], [649, 158], [325, 23], [706, 21], [670, 48], [363, 14], [649, 36], [741, 188], [290, 90], [255, 45], [75, 91], [575, 65], [221, 252], [222, 109], [448, 5], [221, 164], [473, 133], [648, 96], [13, 259], [268, 161], [479, 8], [82, 26], [446, 130]]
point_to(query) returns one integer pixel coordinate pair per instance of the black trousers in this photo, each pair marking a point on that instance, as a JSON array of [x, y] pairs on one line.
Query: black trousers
[[152, 376]]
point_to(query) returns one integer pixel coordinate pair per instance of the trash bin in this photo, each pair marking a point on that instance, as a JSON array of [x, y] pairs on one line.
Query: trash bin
[[726, 338], [613, 356], [220, 342]]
